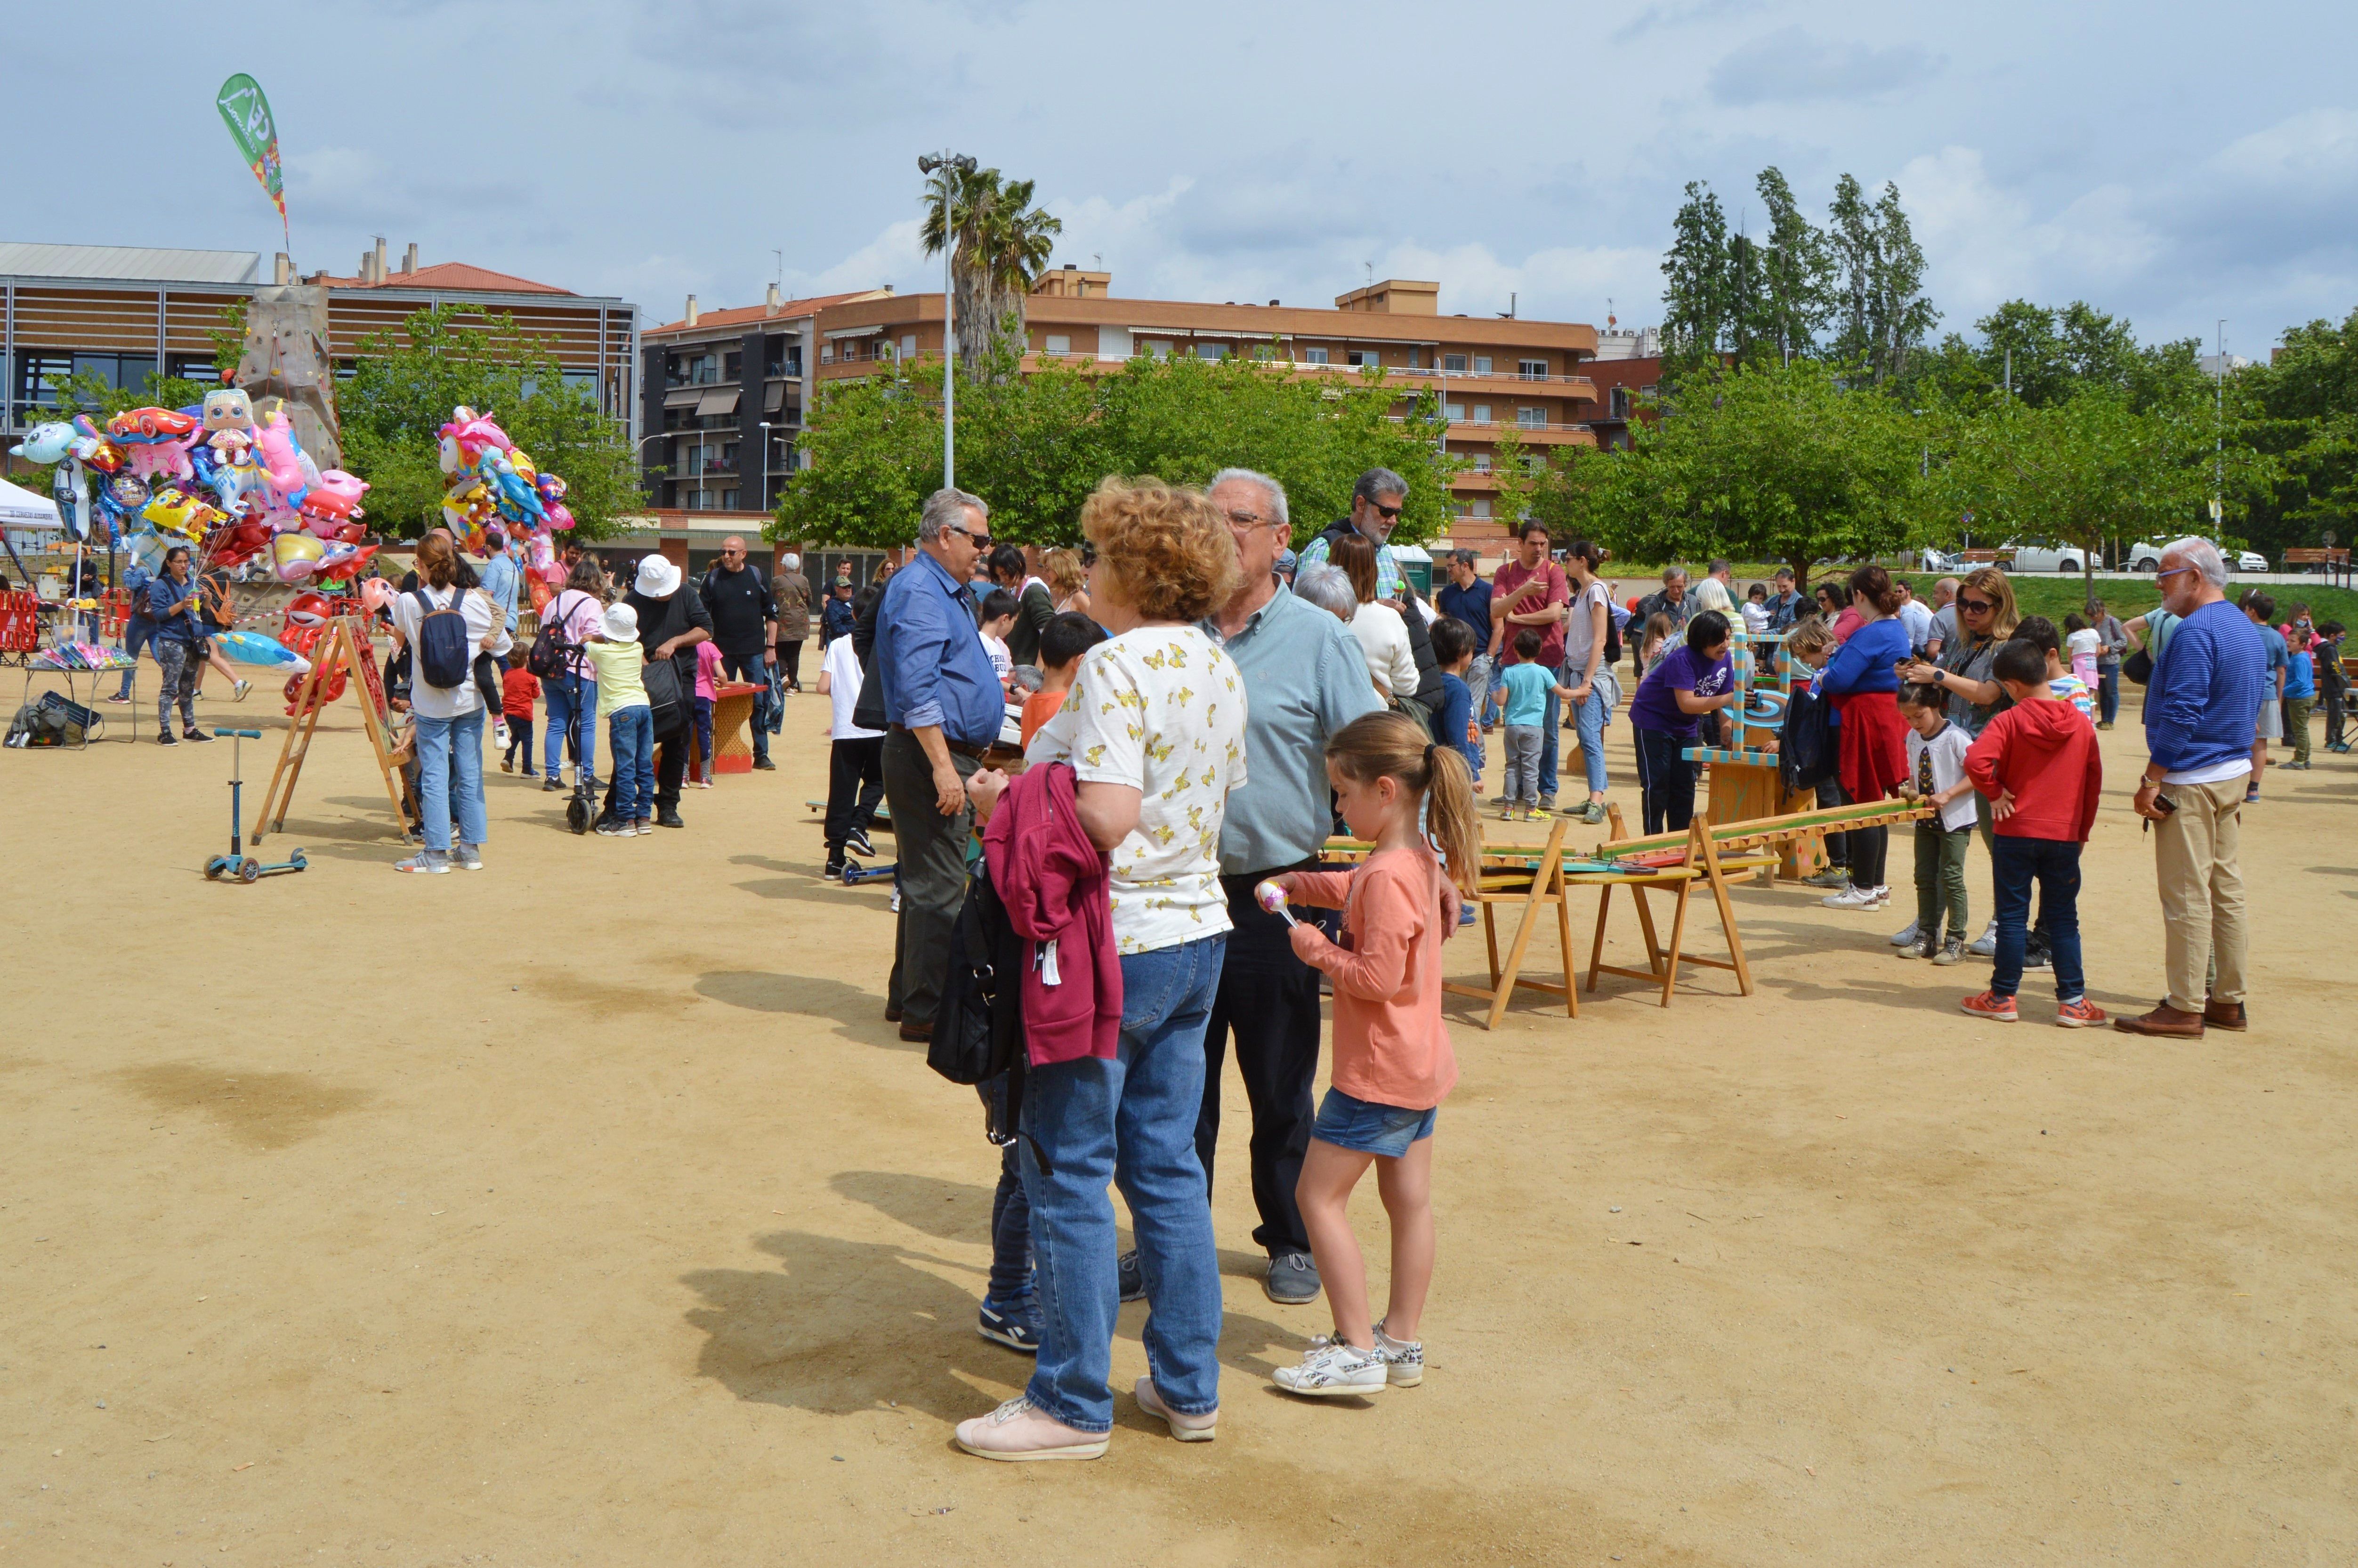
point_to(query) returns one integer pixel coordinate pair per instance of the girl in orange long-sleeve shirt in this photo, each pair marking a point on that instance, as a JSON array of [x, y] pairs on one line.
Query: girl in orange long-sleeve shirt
[[1392, 1064]]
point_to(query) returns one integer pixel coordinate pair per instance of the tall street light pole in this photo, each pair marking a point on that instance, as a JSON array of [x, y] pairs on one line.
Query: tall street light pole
[[949, 165]]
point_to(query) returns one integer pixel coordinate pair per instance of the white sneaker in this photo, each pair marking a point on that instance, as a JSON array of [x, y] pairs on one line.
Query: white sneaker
[[1019, 1430], [1186, 1428], [1403, 1358], [1986, 945], [1905, 937], [1882, 897], [1851, 897], [1333, 1368]]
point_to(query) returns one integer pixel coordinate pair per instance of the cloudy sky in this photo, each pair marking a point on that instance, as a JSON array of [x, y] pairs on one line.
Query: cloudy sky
[[2170, 162]]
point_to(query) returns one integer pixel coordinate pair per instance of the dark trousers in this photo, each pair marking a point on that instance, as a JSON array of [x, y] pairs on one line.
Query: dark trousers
[[1868, 848], [790, 659], [2333, 708], [754, 667], [520, 738], [933, 875], [1837, 844], [855, 782], [1668, 780], [2108, 692], [1269, 998], [2054, 864], [1012, 1268]]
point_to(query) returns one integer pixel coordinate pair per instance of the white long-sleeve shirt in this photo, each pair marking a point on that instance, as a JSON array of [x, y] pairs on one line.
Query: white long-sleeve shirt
[[1383, 637], [487, 633]]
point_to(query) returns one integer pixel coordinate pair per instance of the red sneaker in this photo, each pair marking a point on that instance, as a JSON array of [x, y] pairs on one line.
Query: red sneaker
[[1990, 1005], [2081, 1014]]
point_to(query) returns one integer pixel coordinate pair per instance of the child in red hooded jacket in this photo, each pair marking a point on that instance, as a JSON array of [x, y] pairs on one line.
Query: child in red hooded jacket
[[2037, 762]]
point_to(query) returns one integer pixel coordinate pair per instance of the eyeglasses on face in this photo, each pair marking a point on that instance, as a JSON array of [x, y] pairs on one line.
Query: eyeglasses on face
[[1976, 606], [1388, 513], [979, 541], [1242, 519], [2171, 572]]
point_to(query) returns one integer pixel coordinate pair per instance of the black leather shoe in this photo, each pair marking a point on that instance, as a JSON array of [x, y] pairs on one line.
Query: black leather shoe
[[668, 818], [764, 764]]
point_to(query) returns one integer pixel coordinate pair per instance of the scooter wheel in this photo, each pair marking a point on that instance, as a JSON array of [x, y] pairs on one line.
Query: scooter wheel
[[213, 870], [576, 815], [249, 869]]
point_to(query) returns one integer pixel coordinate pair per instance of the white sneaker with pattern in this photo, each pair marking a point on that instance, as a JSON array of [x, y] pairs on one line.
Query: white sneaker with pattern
[[1333, 1368], [1403, 1358]]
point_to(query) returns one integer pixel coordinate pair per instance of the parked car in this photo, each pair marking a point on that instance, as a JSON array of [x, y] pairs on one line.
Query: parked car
[[2037, 556], [2145, 557]]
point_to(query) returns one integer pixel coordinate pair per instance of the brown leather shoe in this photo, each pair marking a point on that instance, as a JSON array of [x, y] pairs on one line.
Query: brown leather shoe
[[2224, 1015], [2164, 1019], [922, 1033], [891, 1013]]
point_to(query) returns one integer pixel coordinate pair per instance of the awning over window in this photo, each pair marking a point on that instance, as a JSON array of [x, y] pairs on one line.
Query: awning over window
[[720, 400], [773, 397], [680, 397]]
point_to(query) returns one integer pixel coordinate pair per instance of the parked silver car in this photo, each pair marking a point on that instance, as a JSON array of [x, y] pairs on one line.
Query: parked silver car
[[2145, 557]]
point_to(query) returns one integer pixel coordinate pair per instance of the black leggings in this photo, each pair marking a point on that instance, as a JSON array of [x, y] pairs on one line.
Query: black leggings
[[1868, 847]]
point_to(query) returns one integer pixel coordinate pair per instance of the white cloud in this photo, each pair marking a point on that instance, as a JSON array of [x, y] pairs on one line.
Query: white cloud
[[1984, 243]]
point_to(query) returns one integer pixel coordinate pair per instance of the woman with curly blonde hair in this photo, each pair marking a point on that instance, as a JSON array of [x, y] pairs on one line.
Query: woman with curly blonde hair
[[1154, 732], [1067, 579]]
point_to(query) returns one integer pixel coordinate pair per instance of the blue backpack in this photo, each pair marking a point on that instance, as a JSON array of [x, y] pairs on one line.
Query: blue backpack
[[443, 649]]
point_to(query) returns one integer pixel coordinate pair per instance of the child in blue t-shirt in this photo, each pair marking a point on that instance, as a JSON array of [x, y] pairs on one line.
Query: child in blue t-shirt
[[2300, 695], [1453, 650], [1527, 685]]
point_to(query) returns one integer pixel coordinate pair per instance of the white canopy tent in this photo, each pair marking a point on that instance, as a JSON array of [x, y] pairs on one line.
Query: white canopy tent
[[24, 511]]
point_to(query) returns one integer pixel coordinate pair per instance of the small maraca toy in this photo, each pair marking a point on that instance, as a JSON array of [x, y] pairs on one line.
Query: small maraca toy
[[1272, 898]]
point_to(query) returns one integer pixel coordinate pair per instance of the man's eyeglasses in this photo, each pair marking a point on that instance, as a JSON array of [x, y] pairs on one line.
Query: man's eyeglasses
[[979, 541], [1251, 520], [1976, 606], [2171, 572]]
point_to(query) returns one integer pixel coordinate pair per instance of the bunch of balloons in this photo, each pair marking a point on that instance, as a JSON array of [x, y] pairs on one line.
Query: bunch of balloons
[[210, 478], [486, 479]]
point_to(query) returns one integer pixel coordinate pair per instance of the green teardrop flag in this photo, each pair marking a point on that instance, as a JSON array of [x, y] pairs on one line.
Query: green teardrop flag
[[248, 113]]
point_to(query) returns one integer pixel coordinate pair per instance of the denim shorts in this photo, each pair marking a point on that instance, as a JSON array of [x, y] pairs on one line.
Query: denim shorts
[[1367, 1128]]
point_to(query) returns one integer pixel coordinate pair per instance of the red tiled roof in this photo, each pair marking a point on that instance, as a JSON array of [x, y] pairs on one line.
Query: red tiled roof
[[450, 274], [745, 314]]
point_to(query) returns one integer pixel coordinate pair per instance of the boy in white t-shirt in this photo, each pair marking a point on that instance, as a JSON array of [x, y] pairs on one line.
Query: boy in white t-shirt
[[998, 608], [854, 769], [1936, 776]]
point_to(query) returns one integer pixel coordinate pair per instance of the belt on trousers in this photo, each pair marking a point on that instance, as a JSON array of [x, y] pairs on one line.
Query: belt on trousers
[[963, 748]]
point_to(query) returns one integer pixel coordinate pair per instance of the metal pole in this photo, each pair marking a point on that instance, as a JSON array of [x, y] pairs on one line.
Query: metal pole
[[949, 348], [2219, 470]]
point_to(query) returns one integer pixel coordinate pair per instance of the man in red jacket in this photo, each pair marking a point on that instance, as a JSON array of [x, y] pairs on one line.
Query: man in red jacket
[[2037, 762]]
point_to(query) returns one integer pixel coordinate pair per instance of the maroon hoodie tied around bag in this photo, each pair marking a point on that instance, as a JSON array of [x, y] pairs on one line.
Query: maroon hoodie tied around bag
[[1053, 881]]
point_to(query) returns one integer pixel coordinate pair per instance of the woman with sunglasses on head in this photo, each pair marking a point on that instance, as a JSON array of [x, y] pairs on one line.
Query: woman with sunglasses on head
[[1987, 617]]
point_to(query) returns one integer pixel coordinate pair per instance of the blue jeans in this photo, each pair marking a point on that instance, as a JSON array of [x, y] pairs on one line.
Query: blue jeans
[[704, 732], [633, 734], [137, 634], [1011, 1287], [1588, 718], [2055, 863], [755, 670], [1551, 731], [2108, 692], [1130, 1121], [569, 695], [450, 778]]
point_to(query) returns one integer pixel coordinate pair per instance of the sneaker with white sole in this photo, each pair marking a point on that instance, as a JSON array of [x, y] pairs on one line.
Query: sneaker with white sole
[[1851, 897], [1952, 951], [1019, 1430], [1831, 877], [1986, 945], [467, 857], [1016, 1328], [1403, 1358], [1923, 947], [433, 862], [1186, 1428], [1907, 937], [1332, 1369]]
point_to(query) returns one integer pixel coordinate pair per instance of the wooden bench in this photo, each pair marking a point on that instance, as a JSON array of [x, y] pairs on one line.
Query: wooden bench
[[2335, 559], [1987, 558]]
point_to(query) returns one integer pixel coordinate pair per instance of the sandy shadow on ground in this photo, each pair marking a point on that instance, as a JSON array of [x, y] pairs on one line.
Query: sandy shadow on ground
[[261, 1110], [812, 996], [848, 1326]]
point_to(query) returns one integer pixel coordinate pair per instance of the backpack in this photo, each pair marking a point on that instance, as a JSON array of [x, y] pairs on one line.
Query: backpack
[[443, 649], [979, 1024], [551, 656], [1806, 754]]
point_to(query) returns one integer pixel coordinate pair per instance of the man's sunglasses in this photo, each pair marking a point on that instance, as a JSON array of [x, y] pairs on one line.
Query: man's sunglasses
[[1388, 513], [979, 541]]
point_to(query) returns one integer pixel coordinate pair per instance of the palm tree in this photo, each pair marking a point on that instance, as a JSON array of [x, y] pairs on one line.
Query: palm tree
[[1003, 244]]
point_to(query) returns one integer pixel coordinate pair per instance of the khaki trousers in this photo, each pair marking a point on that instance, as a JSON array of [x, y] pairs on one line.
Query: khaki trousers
[[2201, 884]]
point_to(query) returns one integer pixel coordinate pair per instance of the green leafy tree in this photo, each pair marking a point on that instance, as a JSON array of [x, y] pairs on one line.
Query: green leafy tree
[[2298, 414], [1033, 446], [1780, 464], [404, 383], [2083, 471], [1797, 276], [1881, 315], [1695, 284]]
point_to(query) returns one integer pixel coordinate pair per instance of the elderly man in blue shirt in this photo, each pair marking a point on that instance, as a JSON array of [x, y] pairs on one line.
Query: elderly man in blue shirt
[[943, 708]]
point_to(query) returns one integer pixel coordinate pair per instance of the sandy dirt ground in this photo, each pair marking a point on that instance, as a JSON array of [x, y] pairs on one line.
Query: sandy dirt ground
[[586, 1211]]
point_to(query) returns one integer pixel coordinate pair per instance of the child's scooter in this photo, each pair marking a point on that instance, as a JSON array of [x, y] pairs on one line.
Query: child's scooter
[[237, 862], [582, 809]]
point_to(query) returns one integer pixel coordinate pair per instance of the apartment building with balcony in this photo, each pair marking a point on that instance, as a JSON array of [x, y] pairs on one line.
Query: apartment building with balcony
[[127, 313], [1489, 372], [1628, 370]]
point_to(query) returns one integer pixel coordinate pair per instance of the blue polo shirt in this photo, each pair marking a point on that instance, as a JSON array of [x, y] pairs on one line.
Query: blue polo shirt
[[1305, 679], [930, 661], [501, 580]]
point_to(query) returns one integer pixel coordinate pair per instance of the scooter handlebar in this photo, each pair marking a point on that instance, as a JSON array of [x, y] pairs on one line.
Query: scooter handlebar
[[248, 734]]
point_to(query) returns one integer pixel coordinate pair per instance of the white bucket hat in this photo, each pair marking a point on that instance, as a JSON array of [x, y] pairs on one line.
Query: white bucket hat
[[622, 623], [658, 579]]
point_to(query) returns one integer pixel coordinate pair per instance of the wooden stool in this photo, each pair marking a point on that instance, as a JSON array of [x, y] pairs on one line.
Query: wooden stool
[[1525, 891]]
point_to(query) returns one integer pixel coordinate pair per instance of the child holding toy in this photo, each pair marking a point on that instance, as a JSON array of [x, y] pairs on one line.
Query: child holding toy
[[1391, 1056]]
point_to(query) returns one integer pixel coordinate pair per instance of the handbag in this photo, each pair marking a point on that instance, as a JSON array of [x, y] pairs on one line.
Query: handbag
[[2138, 666]]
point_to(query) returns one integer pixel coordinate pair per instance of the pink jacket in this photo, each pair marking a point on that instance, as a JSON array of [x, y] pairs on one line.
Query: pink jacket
[[1053, 881]]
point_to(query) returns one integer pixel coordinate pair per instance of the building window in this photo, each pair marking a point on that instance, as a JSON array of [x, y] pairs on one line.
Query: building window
[[1416, 359], [1481, 509], [1648, 391], [728, 501], [38, 375], [1060, 343], [732, 367], [1531, 370], [1532, 418], [909, 345], [1313, 356], [1363, 356], [1481, 365], [1214, 351], [1454, 412], [1161, 350], [1481, 414], [1481, 462], [1453, 362], [1618, 401]]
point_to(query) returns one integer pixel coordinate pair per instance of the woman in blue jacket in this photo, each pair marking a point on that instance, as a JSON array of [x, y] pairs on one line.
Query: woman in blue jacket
[[179, 643], [1861, 678]]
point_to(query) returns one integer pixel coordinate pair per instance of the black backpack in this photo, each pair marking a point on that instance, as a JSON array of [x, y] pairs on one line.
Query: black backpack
[[551, 656], [1806, 755], [979, 1023], [445, 651]]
